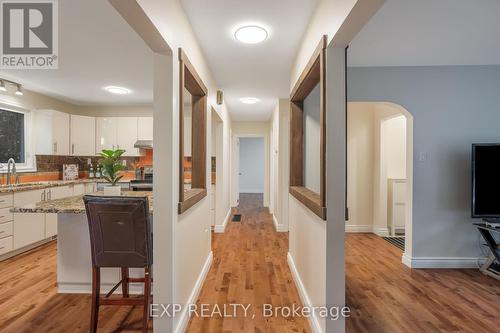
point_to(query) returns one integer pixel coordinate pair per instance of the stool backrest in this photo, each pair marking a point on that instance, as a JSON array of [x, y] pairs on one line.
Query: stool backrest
[[120, 233]]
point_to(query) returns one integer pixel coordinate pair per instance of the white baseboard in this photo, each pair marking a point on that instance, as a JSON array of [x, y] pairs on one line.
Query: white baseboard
[[220, 228], [184, 317], [382, 232], [304, 297], [277, 226], [358, 228], [441, 262]]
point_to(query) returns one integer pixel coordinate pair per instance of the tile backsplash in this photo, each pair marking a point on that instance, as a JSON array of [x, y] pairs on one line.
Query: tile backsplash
[[49, 163]]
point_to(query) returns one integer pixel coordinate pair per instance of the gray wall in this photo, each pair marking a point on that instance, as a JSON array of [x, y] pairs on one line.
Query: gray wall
[[453, 107]]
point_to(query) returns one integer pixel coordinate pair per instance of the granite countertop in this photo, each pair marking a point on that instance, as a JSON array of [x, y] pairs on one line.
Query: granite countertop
[[47, 184], [73, 205]]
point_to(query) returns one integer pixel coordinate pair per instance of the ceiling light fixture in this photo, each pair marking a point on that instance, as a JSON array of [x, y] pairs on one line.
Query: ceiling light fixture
[[251, 34], [19, 90], [2, 86], [117, 90], [249, 100]]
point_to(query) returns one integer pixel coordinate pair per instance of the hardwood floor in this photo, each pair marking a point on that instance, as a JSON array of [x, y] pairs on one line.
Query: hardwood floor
[[386, 296], [250, 267], [29, 301]]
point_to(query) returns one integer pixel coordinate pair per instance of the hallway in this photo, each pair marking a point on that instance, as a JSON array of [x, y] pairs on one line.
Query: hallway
[[249, 267]]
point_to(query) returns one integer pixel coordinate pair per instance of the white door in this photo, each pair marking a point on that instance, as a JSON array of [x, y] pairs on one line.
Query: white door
[[82, 136], [236, 171], [105, 133], [60, 133], [145, 128], [126, 135]]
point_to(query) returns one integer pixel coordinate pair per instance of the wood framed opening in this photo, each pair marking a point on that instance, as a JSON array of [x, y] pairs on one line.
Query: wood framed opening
[[192, 135], [311, 80]]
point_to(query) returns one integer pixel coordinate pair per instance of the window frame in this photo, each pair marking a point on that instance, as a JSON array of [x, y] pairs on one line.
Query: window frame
[[29, 149], [313, 74], [189, 79]]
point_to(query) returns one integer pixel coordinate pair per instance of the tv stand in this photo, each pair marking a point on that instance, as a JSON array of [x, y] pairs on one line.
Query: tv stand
[[492, 266]]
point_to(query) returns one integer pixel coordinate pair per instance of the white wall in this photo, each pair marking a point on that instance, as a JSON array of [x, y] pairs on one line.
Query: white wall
[[190, 233], [252, 168], [311, 132], [393, 139]]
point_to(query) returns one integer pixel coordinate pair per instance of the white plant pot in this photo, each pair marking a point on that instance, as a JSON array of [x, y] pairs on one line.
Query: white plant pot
[[112, 190]]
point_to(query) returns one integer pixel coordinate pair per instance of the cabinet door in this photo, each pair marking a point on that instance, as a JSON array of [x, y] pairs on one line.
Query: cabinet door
[[145, 128], [60, 133], [82, 136], [90, 188], [105, 133], [50, 225], [28, 197], [29, 228], [126, 135], [59, 192], [79, 189]]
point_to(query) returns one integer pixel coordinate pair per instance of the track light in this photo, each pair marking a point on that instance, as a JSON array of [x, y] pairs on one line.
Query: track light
[[19, 90], [2, 86]]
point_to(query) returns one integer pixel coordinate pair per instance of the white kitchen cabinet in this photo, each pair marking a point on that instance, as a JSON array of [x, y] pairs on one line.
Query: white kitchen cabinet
[[29, 228], [59, 192], [6, 200], [51, 132], [126, 135], [82, 135], [6, 215], [79, 189], [117, 133], [6, 245], [106, 128], [28, 197], [90, 188], [50, 225], [145, 128]]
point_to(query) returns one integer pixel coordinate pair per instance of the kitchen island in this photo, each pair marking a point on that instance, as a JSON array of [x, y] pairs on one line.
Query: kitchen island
[[74, 263]]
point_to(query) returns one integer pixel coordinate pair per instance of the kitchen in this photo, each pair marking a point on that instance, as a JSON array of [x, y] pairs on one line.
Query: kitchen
[[54, 125]]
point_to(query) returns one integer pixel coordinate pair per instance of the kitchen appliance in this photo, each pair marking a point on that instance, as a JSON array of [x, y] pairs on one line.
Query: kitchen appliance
[[145, 183]]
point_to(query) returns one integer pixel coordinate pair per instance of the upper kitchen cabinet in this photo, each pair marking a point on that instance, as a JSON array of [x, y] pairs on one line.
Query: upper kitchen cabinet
[[126, 135], [145, 128], [117, 133], [82, 136], [51, 132]]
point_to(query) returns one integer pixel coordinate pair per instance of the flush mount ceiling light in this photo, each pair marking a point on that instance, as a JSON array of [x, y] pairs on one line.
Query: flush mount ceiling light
[[19, 90], [251, 34], [117, 90], [249, 100]]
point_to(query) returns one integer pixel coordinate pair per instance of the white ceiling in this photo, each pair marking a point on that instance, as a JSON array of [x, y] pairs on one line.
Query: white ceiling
[[242, 70], [430, 32], [97, 48]]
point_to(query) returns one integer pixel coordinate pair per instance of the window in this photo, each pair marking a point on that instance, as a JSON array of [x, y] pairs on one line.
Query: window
[[192, 135], [15, 142], [308, 134]]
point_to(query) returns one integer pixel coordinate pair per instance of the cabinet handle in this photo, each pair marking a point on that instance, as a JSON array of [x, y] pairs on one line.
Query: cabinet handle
[[72, 148], [49, 196], [54, 148], [42, 196]]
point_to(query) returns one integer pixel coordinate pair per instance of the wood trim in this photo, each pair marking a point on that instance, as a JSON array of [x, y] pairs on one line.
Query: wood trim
[[314, 73], [322, 45], [191, 198], [191, 81], [199, 82], [310, 199]]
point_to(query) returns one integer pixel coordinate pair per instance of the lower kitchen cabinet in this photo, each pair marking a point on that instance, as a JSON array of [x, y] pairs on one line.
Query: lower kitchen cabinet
[[28, 229], [50, 225], [5, 245]]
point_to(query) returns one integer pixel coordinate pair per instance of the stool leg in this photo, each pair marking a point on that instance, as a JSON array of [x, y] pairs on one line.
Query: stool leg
[[147, 295], [96, 289], [125, 282]]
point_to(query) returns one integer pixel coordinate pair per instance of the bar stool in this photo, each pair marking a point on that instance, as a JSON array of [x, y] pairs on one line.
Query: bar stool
[[120, 237]]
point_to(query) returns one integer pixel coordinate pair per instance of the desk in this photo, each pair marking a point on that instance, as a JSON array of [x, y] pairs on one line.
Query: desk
[[492, 266]]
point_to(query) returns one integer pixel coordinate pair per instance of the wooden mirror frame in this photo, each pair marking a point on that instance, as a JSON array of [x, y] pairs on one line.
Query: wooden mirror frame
[[189, 79], [314, 73]]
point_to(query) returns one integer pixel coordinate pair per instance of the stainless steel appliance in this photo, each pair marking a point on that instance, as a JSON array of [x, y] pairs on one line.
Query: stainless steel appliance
[[145, 183]]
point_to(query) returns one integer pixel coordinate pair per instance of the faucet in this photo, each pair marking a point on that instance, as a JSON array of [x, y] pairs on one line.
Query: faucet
[[14, 171]]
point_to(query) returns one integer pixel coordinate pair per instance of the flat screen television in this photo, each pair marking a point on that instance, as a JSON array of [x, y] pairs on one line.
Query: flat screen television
[[486, 181]]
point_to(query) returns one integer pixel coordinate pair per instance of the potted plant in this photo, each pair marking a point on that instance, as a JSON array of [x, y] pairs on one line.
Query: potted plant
[[111, 170]]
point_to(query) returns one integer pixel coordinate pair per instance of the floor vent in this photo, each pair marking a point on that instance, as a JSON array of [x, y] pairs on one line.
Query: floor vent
[[236, 218], [398, 242]]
